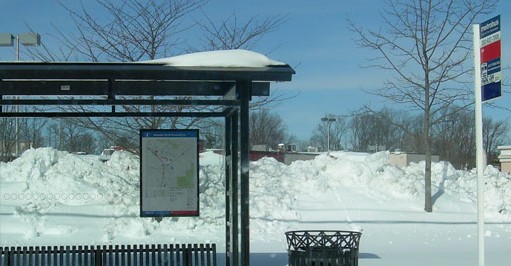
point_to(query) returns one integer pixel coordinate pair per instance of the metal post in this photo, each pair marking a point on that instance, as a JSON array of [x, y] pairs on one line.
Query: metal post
[[228, 180], [479, 143], [17, 106], [231, 227], [328, 138], [17, 47], [244, 88]]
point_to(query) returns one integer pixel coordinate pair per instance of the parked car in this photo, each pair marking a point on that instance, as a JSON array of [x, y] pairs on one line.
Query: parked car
[[106, 154]]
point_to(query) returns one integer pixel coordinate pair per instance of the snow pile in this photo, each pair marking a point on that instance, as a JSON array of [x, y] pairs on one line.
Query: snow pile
[[44, 183], [50, 196], [372, 174]]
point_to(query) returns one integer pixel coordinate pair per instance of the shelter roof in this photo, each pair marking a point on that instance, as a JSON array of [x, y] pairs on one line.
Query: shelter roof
[[207, 74]]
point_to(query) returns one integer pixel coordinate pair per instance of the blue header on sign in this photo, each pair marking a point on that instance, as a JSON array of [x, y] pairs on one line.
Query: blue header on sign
[[490, 26]]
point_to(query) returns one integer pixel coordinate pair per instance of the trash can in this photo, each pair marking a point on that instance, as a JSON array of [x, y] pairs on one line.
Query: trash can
[[323, 248]]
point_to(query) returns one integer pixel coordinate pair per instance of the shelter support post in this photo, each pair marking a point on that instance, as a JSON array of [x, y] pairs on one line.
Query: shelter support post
[[231, 185], [111, 95], [237, 146], [244, 88]]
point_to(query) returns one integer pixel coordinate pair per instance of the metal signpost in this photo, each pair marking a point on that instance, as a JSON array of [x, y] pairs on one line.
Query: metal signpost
[[487, 86]]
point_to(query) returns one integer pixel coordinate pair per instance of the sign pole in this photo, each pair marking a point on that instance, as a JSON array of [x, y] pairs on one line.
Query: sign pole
[[479, 143], [487, 86]]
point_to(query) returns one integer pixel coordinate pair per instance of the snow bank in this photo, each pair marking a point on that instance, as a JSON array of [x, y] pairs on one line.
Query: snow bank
[[50, 196]]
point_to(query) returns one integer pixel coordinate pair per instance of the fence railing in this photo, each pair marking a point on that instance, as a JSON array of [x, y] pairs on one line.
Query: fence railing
[[111, 255]]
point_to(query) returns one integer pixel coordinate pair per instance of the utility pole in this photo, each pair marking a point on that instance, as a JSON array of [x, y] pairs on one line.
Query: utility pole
[[27, 39]]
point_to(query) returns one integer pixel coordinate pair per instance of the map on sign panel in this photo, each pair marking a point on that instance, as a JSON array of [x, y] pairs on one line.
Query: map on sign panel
[[169, 172]]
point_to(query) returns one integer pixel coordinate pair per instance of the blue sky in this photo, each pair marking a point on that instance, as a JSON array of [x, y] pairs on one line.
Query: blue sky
[[314, 40]]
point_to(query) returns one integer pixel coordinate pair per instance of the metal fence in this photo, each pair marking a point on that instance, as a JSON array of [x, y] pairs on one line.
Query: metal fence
[[111, 255]]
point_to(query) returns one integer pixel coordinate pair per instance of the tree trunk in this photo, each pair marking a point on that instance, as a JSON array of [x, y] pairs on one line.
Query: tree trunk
[[428, 201]]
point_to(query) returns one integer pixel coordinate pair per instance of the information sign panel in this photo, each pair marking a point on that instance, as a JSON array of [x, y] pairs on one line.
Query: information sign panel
[[169, 172], [491, 75]]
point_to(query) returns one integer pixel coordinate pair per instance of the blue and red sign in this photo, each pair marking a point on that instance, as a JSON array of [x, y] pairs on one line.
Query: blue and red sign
[[491, 74]]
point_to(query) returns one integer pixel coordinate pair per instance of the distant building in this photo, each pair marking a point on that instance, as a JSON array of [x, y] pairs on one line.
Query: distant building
[[505, 159], [285, 153], [286, 147], [261, 147], [283, 157], [312, 149]]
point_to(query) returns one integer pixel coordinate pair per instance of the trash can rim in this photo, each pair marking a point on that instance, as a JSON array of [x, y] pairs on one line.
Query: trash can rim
[[304, 239], [310, 247], [323, 231]]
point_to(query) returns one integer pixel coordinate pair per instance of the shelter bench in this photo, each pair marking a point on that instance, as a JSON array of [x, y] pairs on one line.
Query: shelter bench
[[111, 255]]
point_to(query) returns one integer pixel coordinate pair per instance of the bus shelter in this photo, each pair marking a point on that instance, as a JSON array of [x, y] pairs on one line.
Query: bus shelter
[[108, 85]]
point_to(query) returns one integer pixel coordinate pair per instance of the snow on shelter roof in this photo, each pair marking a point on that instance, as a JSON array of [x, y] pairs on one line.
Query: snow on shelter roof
[[220, 58]]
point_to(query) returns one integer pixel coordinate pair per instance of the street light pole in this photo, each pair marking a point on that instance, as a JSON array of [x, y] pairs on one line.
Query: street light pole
[[17, 122], [17, 47], [329, 120], [27, 39]]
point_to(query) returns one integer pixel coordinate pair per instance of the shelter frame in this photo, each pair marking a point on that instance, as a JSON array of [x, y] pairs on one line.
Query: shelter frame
[[113, 84]]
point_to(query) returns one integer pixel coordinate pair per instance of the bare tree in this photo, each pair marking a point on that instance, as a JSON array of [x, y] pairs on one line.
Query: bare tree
[[387, 128], [425, 44], [233, 33], [136, 30], [7, 136], [454, 139], [53, 135], [266, 128], [213, 133], [64, 134], [31, 131], [17, 135], [131, 31], [494, 134]]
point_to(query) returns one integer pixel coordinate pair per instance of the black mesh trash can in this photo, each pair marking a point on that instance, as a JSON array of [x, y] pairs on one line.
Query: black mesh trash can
[[323, 248]]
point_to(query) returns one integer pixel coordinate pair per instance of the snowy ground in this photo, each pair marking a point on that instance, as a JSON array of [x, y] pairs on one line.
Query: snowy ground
[[53, 197]]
